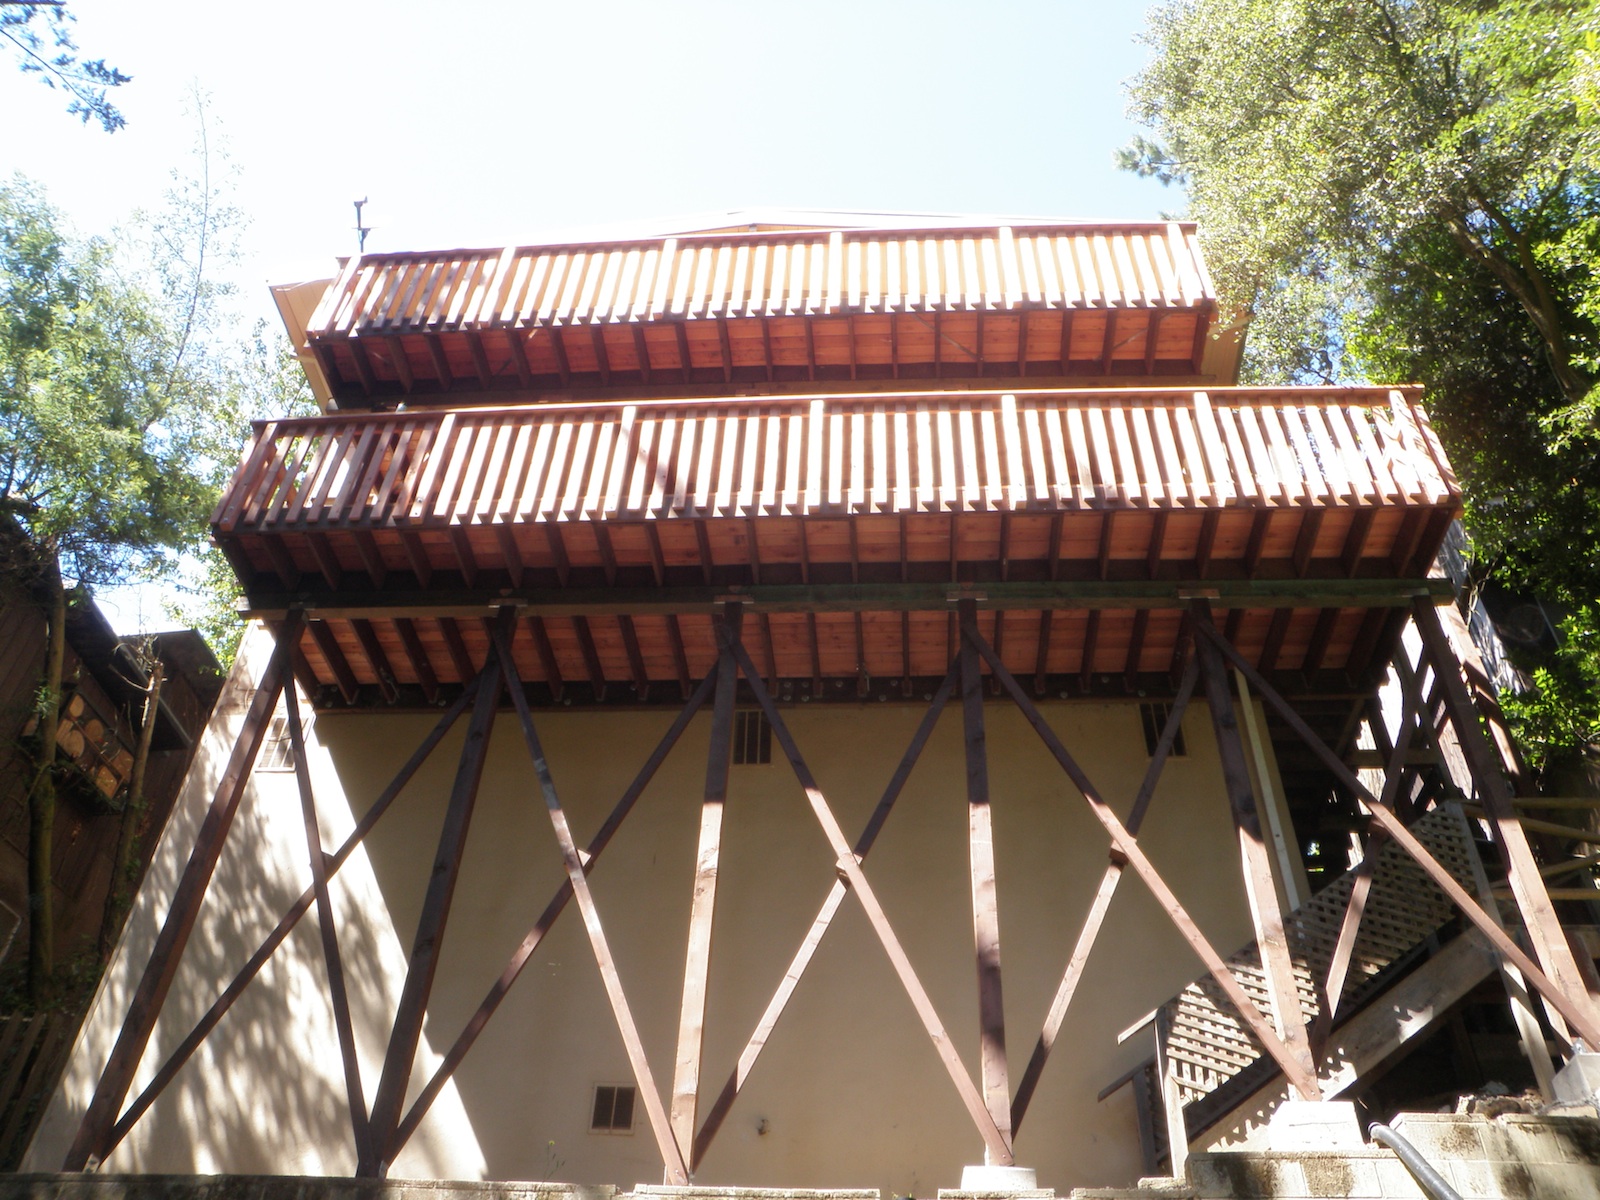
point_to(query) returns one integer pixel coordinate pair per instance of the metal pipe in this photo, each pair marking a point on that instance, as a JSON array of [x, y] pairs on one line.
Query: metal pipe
[[1428, 1179]]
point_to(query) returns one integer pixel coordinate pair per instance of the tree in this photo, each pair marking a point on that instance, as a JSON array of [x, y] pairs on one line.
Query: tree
[[112, 444], [1410, 190], [85, 80]]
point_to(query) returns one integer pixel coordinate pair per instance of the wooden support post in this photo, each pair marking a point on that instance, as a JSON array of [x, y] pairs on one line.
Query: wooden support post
[[985, 905], [407, 1030], [1260, 884], [702, 908], [819, 927], [91, 1141], [676, 1170], [338, 995], [558, 903], [1100, 905], [1522, 872], [280, 933], [849, 867], [1171, 1101], [1580, 1015], [1128, 847]]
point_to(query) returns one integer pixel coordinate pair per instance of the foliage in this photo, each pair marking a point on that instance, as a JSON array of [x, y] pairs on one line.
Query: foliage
[[1560, 717], [1409, 190], [110, 442], [52, 54]]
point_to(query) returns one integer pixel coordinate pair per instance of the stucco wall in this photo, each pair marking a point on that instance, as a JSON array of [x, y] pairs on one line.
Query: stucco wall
[[849, 1091]]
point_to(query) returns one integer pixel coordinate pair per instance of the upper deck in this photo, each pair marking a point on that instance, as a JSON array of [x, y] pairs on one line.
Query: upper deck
[[773, 308]]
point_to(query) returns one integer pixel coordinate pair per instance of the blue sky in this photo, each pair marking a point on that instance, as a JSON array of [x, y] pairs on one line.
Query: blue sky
[[479, 123]]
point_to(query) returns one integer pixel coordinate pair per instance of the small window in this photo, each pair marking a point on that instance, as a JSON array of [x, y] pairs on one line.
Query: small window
[[752, 737], [1154, 718], [277, 751], [613, 1110]]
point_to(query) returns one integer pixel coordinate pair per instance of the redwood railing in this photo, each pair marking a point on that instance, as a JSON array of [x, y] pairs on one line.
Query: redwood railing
[[840, 455]]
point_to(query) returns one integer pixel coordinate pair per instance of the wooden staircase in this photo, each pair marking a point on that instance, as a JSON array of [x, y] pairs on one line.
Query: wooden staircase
[[1209, 1065]]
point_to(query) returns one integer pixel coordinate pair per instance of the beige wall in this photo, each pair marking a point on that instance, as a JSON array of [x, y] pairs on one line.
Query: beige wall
[[849, 1091]]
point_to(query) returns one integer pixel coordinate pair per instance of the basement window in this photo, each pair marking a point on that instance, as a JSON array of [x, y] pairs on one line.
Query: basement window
[[752, 738], [613, 1109], [277, 751], [1154, 719]]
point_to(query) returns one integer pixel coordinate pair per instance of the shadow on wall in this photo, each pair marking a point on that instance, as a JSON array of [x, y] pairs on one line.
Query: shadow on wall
[[265, 1093]]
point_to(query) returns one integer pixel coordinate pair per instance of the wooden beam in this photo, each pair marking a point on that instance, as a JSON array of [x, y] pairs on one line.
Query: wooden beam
[[850, 869], [680, 660], [1099, 906], [519, 358], [424, 962], [1321, 636], [417, 655], [1261, 889], [591, 656], [766, 349], [1108, 344], [1091, 639], [337, 663], [327, 560], [1257, 542], [280, 933], [282, 562], [558, 902], [1207, 543], [1066, 338], [1306, 541], [602, 359], [985, 906], [1164, 896], [371, 557], [726, 348], [559, 346], [457, 649], [1151, 330], [547, 656], [480, 360], [1141, 631], [1522, 871], [338, 994], [1022, 344], [674, 1160], [681, 330], [358, 355], [1233, 594], [150, 994], [441, 365], [367, 637], [1277, 630], [1576, 1014], [703, 901], [1158, 539], [641, 351], [819, 926], [630, 644], [1355, 543]]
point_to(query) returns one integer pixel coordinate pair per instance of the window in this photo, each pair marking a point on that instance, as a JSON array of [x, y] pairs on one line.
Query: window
[[613, 1109], [1154, 719], [277, 751], [752, 737]]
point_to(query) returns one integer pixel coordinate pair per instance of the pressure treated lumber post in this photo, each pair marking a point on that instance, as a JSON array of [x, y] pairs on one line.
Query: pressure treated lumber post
[[702, 908], [156, 982], [1522, 872], [985, 905], [1260, 886], [413, 1006]]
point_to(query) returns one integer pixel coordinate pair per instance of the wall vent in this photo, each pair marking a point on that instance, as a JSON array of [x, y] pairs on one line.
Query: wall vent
[[612, 1111], [752, 737], [1154, 719]]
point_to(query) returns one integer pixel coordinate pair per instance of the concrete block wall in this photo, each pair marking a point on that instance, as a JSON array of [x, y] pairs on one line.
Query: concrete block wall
[[1514, 1157]]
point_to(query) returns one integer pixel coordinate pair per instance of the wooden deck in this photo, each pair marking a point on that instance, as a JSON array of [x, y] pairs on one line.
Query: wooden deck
[[620, 507], [768, 307]]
